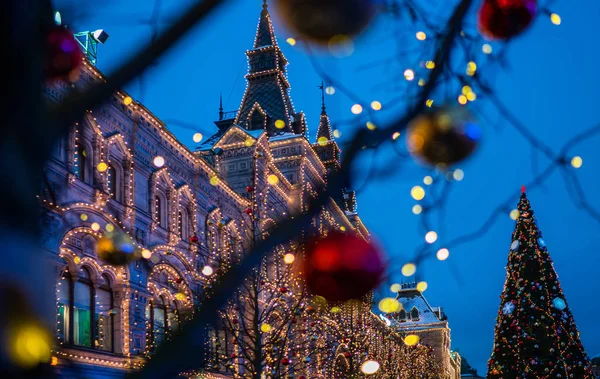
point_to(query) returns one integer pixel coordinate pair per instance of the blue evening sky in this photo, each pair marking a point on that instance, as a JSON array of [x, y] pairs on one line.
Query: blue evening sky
[[550, 84]]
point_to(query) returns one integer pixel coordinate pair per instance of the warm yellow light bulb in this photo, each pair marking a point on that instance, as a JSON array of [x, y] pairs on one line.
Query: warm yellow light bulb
[[417, 193], [462, 99], [431, 237], [289, 258], [389, 305], [443, 254], [411, 339], [146, 254], [409, 269], [356, 109], [369, 367], [127, 100], [95, 226]]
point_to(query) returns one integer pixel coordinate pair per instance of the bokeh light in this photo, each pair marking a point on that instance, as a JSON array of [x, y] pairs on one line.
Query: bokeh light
[[95, 226], [411, 340], [291, 41], [486, 48], [428, 180], [214, 180], [369, 367], [395, 287], [422, 286], [389, 305], [356, 109], [146, 254], [371, 126], [127, 100], [577, 162], [555, 19], [289, 258], [376, 105], [29, 345], [409, 269], [417, 193], [458, 174], [273, 179], [197, 137], [421, 36], [409, 74], [207, 270], [431, 237], [514, 214], [417, 209], [266, 328], [102, 167], [159, 161], [443, 254], [280, 124]]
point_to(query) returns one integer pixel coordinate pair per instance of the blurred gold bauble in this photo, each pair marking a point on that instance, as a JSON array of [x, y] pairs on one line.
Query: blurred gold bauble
[[443, 136], [321, 20], [117, 249]]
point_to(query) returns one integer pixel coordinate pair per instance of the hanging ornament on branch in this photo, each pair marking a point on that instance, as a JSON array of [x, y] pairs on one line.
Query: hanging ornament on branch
[[117, 249], [321, 20], [63, 54], [443, 135], [342, 266], [503, 19]]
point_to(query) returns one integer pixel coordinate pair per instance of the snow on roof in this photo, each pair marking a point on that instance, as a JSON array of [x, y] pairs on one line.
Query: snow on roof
[[412, 298], [284, 136]]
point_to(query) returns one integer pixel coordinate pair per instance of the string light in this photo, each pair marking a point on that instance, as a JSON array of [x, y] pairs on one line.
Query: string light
[[431, 237], [417, 193], [443, 254], [356, 109], [409, 269], [577, 162]]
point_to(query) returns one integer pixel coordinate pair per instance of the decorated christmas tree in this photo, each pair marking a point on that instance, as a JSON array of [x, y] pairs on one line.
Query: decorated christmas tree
[[535, 336]]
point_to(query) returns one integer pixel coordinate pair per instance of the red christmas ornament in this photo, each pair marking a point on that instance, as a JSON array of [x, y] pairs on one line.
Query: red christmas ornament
[[347, 354], [248, 211], [342, 266], [283, 290], [63, 54], [249, 189], [194, 239], [503, 19], [179, 280], [285, 361]]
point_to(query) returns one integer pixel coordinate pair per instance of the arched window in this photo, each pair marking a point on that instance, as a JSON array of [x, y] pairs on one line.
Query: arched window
[[80, 161], [89, 245], [180, 224], [158, 209], [158, 322], [402, 315], [82, 310], [113, 183], [414, 314], [105, 316]]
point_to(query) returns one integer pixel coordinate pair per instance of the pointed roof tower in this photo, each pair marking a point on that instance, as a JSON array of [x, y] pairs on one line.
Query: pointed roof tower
[[325, 146], [266, 103]]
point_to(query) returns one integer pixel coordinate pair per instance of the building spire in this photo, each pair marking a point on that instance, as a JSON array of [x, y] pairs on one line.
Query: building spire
[[220, 106], [322, 87], [264, 34]]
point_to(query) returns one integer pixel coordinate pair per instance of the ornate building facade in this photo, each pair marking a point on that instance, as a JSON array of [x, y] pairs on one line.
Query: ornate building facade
[[189, 214], [429, 323]]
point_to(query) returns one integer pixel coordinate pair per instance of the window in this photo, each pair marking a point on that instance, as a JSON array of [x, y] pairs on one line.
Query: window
[[81, 311], [242, 165], [183, 224], [104, 316], [414, 314], [82, 321], [402, 315], [80, 163], [158, 324]]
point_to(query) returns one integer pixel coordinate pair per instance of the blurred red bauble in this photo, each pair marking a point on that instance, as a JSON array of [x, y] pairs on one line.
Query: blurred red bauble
[[347, 354], [321, 20], [285, 361], [503, 19], [63, 54], [443, 135], [283, 290], [248, 211], [342, 266], [194, 239], [249, 189]]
